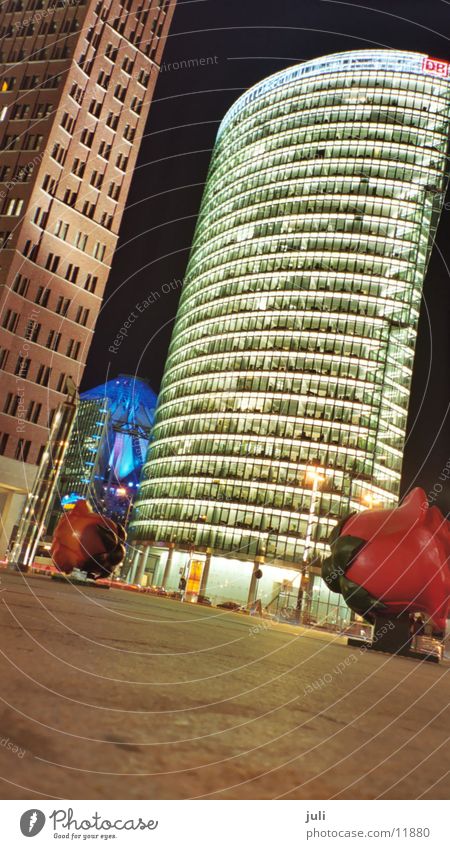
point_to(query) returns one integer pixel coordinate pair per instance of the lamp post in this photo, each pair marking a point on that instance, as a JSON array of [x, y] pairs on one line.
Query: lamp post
[[258, 562], [316, 476]]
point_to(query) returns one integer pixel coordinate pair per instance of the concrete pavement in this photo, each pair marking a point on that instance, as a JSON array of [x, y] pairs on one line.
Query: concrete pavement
[[108, 694]]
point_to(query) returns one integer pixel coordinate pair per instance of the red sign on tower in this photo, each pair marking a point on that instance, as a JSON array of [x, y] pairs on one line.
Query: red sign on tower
[[435, 66]]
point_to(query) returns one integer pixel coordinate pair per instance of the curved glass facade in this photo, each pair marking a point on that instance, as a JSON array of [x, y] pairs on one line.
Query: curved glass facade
[[286, 388]]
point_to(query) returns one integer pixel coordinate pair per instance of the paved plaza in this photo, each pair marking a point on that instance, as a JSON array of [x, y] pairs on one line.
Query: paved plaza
[[110, 694]]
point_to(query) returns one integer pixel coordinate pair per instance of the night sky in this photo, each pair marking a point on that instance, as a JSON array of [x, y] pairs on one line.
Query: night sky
[[242, 42]]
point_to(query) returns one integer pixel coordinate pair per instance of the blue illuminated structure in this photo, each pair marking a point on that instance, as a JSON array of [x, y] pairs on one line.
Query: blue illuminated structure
[[107, 448]]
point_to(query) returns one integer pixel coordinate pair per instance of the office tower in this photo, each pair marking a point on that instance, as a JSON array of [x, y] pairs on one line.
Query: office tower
[[106, 450], [286, 388], [75, 91]]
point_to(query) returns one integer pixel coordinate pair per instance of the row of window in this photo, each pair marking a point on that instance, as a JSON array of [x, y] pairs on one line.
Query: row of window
[[42, 373], [251, 352], [279, 291], [285, 100], [221, 471], [32, 333], [251, 493], [263, 187], [281, 133], [264, 393], [297, 312], [287, 203]]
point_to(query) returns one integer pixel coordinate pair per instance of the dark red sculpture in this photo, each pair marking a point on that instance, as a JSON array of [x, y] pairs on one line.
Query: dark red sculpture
[[392, 563], [87, 541]]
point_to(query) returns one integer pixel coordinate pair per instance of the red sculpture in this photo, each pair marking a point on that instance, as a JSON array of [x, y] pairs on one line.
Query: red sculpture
[[393, 562], [87, 541]]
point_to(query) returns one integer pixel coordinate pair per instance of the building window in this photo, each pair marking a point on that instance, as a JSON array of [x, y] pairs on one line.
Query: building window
[[61, 229], [114, 191], [61, 384], [34, 411], [112, 120], [4, 354], [111, 52], [96, 180], [3, 442], [43, 375], [20, 284], [72, 273], [68, 123], [62, 305], [10, 321], [128, 65], [32, 330], [22, 449], [103, 79], [99, 251], [49, 184], [59, 153], [73, 349], [30, 250], [42, 296], [41, 217], [88, 209], [136, 105], [29, 83], [77, 93], [22, 367], [82, 316], [42, 110], [5, 237], [106, 220], [70, 197], [87, 137], [81, 241], [33, 142], [91, 283], [129, 133], [78, 167], [104, 150], [52, 263], [10, 142], [11, 404], [120, 93], [20, 111], [53, 340], [121, 162], [14, 206], [95, 108]]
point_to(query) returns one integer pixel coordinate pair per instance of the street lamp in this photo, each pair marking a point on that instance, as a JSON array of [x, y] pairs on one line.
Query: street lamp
[[316, 476]]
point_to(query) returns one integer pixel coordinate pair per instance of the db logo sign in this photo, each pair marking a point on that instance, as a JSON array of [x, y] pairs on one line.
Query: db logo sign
[[435, 66]]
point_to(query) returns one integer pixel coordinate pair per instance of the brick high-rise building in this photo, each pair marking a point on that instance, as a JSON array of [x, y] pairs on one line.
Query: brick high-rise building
[[77, 78]]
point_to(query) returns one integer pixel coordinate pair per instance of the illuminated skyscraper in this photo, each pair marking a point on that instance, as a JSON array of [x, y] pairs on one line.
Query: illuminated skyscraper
[[286, 388]]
